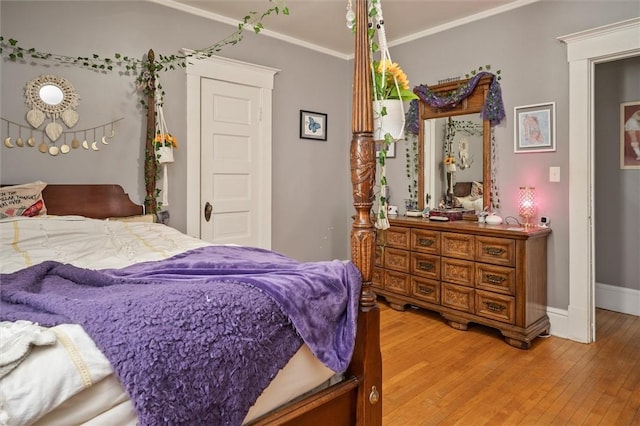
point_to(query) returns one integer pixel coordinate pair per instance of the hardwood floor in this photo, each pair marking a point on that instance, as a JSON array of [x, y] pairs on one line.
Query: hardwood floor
[[436, 375]]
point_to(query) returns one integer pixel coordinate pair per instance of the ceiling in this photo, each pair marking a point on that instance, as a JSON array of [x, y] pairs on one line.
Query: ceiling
[[321, 24]]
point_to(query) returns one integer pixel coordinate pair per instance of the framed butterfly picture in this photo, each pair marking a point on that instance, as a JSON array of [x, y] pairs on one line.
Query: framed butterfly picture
[[313, 125]]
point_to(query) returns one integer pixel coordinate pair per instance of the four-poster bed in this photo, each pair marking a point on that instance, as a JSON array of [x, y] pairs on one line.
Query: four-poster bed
[[352, 398]]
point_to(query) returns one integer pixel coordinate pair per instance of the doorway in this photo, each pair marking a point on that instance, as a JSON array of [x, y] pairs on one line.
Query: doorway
[[229, 151], [584, 50], [617, 187]]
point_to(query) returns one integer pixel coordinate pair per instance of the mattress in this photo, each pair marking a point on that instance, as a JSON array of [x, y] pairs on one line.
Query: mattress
[[98, 244], [107, 403]]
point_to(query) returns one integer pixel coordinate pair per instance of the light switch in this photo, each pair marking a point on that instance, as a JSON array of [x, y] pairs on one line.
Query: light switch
[[554, 174]]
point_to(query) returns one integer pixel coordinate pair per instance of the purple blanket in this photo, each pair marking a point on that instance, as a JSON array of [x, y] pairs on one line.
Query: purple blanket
[[196, 338]]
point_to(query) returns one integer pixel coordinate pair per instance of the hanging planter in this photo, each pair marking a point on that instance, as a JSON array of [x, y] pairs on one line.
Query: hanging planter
[[164, 144], [391, 123], [390, 89], [164, 154]]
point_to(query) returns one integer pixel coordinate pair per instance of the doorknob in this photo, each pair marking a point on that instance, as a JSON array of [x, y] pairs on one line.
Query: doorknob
[[207, 211]]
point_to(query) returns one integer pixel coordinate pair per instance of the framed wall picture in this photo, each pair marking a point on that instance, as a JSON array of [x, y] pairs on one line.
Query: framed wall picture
[[313, 125], [535, 128], [630, 135]]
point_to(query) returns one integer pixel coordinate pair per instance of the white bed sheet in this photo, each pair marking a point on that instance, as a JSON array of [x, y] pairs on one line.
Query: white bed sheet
[[98, 244]]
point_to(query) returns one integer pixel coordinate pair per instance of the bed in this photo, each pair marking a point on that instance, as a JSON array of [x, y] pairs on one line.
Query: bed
[[348, 394]]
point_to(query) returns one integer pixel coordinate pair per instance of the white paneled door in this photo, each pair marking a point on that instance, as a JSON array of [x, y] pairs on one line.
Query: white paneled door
[[229, 151], [230, 163]]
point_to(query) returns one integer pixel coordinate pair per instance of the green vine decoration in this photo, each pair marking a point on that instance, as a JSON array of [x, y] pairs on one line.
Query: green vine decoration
[[412, 167], [494, 194], [146, 71], [11, 49], [486, 68]]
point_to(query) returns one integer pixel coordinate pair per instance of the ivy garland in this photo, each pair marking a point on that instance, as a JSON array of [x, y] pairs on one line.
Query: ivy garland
[[145, 71], [13, 51], [412, 167], [10, 49]]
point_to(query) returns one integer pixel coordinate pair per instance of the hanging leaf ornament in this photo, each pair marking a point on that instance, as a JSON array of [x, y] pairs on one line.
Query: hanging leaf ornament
[[69, 117], [35, 117], [53, 131]]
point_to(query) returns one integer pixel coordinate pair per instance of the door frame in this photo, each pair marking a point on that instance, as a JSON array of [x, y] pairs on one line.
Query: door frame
[[585, 49], [232, 71]]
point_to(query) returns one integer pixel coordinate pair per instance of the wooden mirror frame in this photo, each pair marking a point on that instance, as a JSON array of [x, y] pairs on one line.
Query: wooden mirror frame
[[471, 104]]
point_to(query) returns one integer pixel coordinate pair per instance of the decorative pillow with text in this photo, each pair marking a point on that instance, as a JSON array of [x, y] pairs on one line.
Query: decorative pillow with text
[[22, 200]]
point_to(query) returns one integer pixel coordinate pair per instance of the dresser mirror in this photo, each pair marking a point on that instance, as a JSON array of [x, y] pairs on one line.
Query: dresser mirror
[[470, 145]]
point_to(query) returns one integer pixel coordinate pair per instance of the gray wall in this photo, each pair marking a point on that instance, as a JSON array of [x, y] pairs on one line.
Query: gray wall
[[311, 194], [617, 191], [523, 44], [310, 178]]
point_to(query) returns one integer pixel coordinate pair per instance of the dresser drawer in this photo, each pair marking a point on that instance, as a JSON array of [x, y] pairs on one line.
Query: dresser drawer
[[426, 290], [396, 236], [396, 259], [377, 278], [499, 251], [457, 245], [397, 282], [499, 279], [458, 297], [458, 271], [425, 241], [495, 306], [425, 265]]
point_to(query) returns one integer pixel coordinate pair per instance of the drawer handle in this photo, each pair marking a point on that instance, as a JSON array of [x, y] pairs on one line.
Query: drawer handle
[[495, 279], [426, 242], [425, 290], [494, 251], [426, 266], [495, 307]]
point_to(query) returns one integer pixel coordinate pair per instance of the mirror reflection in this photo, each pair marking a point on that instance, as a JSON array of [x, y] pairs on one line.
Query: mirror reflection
[[457, 144], [51, 95]]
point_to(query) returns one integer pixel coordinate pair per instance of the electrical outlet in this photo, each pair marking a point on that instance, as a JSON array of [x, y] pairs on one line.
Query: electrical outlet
[[554, 174]]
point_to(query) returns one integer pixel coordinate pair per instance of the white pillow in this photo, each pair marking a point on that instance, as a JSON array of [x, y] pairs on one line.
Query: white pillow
[[476, 190]]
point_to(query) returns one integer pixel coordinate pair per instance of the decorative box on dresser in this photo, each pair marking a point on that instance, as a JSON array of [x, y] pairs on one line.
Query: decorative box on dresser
[[494, 275]]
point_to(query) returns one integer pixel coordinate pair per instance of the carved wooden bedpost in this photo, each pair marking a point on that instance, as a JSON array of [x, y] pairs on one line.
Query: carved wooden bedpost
[[150, 163], [363, 234]]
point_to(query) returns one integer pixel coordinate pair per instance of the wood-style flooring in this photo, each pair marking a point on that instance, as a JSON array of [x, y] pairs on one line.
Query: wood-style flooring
[[436, 375]]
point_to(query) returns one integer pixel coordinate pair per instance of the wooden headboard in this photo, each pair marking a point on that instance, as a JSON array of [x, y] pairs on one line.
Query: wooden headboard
[[94, 201]]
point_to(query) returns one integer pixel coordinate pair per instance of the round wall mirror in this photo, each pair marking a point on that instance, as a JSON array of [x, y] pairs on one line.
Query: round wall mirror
[[51, 95]]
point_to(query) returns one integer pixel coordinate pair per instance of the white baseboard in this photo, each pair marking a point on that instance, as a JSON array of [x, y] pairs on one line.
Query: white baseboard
[[619, 299], [559, 320]]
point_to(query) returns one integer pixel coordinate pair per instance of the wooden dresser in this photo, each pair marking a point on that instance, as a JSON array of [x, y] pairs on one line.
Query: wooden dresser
[[468, 272]]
